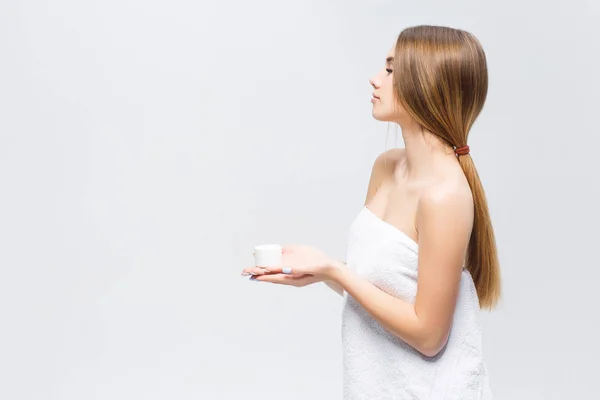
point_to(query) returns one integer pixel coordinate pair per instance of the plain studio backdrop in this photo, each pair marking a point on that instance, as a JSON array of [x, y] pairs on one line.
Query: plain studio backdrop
[[147, 146]]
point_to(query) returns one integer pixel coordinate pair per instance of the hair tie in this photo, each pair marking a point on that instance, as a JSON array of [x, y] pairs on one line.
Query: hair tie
[[462, 151]]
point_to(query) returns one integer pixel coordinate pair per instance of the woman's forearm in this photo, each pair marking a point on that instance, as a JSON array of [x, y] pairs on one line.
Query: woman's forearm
[[336, 287]]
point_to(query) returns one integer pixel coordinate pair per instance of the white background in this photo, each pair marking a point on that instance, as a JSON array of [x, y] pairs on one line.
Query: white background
[[147, 146]]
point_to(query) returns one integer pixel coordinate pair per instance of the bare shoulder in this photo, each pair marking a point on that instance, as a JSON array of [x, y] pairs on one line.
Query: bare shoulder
[[449, 200], [383, 169], [388, 159], [449, 189]]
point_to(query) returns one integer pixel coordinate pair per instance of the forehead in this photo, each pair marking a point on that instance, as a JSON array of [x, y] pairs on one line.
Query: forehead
[[391, 52]]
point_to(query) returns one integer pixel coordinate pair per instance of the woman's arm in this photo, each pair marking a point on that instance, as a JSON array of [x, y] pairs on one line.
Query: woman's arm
[[335, 287], [444, 222]]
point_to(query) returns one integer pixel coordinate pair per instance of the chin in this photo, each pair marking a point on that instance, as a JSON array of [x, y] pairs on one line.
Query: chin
[[381, 116]]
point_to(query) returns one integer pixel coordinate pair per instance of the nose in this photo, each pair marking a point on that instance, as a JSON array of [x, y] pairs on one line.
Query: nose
[[374, 84]]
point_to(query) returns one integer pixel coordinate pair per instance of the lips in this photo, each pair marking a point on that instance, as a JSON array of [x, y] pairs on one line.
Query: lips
[[376, 97]]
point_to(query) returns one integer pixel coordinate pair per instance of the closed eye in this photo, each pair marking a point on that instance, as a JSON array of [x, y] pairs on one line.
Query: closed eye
[[389, 71]]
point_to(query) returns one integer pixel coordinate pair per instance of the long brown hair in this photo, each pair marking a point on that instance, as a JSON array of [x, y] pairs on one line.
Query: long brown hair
[[440, 77]]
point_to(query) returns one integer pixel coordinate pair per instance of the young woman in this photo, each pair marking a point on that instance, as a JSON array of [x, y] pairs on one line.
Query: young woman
[[421, 258]]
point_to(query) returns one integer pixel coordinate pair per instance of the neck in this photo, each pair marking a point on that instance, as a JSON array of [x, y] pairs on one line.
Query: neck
[[426, 154]]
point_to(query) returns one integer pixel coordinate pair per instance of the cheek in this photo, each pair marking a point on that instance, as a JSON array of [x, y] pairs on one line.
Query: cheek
[[388, 89], [390, 99]]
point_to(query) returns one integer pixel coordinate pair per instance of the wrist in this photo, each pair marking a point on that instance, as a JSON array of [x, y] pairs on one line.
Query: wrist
[[336, 271]]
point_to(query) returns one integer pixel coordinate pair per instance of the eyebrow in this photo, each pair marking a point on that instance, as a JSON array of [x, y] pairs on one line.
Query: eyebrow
[[389, 59]]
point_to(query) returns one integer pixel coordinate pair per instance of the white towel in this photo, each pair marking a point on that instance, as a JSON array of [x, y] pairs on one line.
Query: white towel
[[380, 366]]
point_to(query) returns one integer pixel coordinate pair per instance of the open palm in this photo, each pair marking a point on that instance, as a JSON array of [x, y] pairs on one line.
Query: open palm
[[309, 261]]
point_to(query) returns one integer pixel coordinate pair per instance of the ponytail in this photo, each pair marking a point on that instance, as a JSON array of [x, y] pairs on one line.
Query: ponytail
[[482, 255]]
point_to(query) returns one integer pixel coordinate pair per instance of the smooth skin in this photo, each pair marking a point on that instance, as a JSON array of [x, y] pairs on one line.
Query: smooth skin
[[421, 190]]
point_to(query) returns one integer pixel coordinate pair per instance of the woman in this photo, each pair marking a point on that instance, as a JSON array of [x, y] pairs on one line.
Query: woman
[[421, 257]]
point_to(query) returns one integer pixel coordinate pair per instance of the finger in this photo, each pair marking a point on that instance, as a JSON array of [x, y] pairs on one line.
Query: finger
[[274, 270], [286, 270], [254, 271], [282, 279], [272, 278]]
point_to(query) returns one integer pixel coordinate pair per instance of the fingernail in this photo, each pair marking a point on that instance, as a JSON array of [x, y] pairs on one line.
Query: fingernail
[[245, 274], [253, 279], [286, 270]]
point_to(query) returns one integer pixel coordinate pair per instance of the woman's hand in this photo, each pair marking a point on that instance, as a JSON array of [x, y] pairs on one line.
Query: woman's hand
[[301, 266]]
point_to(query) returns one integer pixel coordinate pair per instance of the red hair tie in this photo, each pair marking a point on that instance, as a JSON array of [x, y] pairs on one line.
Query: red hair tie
[[462, 151]]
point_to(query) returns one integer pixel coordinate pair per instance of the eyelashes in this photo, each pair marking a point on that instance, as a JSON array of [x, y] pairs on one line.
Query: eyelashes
[[389, 71]]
